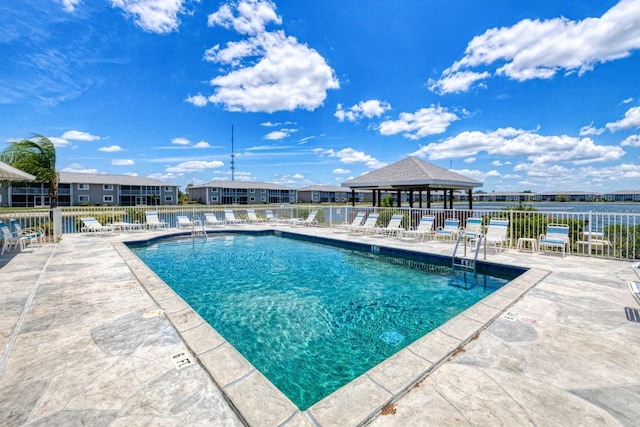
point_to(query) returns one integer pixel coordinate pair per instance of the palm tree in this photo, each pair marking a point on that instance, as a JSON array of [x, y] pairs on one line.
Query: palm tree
[[36, 156]]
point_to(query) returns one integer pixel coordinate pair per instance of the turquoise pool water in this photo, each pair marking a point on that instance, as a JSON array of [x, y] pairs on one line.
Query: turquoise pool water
[[310, 317]]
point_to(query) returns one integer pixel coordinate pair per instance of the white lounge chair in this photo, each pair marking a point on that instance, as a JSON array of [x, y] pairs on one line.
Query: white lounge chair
[[368, 226], [211, 220], [473, 228], [90, 225], [393, 228], [271, 218], [348, 226], [251, 214], [230, 217], [496, 234], [424, 229], [556, 237], [153, 222], [309, 221], [8, 238], [449, 231], [31, 236], [183, 221], [636, 268]]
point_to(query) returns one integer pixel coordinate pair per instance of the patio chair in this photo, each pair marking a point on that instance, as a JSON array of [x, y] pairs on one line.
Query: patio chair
[[211, 220], [369, 225], [271, 218], [356, 222], [309, 221], [9, 240], [473, 228], [183, 221], [634, 288], [393, 228], [594, 241], [230, 217], [556, 237], [251, 214], [153, 222], [90, 225], [31, 236], [496, 234], [424, 229], [449, 231]]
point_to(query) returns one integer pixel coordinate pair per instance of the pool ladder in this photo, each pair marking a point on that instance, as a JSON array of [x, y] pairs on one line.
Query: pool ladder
[[196, 232], [465, 263]]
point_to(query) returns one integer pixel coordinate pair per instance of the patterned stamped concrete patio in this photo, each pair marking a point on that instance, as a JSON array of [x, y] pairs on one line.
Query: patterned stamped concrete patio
[[87, 340]]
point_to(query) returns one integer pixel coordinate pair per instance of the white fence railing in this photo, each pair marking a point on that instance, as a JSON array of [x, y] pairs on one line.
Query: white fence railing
[[599, 234]]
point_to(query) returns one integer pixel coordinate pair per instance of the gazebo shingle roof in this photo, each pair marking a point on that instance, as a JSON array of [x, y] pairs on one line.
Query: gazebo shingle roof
[[412, 173]]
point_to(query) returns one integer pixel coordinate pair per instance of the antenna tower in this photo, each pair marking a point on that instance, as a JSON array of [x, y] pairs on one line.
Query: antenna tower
[[233, 155]]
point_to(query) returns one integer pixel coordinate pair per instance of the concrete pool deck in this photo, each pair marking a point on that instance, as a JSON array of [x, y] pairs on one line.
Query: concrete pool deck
[[91, 338]]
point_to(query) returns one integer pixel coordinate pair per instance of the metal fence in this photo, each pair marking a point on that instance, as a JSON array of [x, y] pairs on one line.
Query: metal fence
[[598, 234]]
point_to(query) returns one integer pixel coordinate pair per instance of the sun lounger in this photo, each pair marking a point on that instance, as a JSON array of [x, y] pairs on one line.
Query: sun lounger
[[556, 237], [230, 217], [309, 221], [368, 226], [211, 220], [153, 221], [348, 226], [184, 222], [449, 231], [424, 229], [393, 228], [251, 214], [90, 225]]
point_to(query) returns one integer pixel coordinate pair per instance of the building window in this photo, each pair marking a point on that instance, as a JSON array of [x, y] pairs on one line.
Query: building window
[[168, 199], [263, 199], [167, 189], [107, 199], [107, 187], [214, 199], [252, 190], [83, 186], [253, 199], [83, 199]]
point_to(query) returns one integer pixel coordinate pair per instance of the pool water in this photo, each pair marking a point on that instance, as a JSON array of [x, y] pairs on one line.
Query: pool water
[[310, 317]]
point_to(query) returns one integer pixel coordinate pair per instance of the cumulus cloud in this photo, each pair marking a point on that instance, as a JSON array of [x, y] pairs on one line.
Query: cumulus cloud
[[69, 5], [79, 136], [424, 122], [510, 142], [155, 16], [186, 143], [78, 168], [110, 149], [122, 162], [631, 120], [180, 141], [340, 171], [349, 155], [539, 49], [194, 166], [267, 71], [590, 130], [631, 141], [369, 109]]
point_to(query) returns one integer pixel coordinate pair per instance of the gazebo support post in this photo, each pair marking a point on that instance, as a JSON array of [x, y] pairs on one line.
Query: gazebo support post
[[353, 197], [470, 199], [399, 196], [420, 199], [428, 198]]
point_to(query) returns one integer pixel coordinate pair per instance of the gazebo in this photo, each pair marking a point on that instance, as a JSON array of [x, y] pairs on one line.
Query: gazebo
[[412, 174]]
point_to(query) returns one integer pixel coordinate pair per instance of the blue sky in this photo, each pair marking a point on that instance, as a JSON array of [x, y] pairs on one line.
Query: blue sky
[[539, 96]]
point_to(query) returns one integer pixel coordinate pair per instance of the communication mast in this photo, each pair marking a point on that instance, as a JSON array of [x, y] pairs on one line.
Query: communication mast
[[233, 155]]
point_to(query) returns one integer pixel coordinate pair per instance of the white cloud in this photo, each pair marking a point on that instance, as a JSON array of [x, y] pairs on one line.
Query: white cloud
[[341, 171], [59, 142], [198, 100], [349, 155], [469, 160], [122, 162], [201, 144], [590, 130], [194, 166], [79, 136], [268, 71], [280, 134], [631, 120], [631, 141], [156, 16], [110, 149], [535, 49], [78, 168], [70, 5], [369, 109], [424, 122], [180, 141], [511, 142], [627, 101], [500, 163]]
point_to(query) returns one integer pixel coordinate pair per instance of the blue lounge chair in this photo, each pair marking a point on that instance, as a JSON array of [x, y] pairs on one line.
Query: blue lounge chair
[[556, 237]]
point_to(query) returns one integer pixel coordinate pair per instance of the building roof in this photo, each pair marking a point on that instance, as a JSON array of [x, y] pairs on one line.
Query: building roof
[[412, 173], [94, 178], [242, 185], [334, 188]]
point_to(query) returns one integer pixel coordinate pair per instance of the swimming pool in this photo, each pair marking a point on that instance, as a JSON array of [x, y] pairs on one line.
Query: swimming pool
[[311, 317]]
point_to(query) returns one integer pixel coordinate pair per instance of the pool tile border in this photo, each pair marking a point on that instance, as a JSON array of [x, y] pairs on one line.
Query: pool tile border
[[258, 402]]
